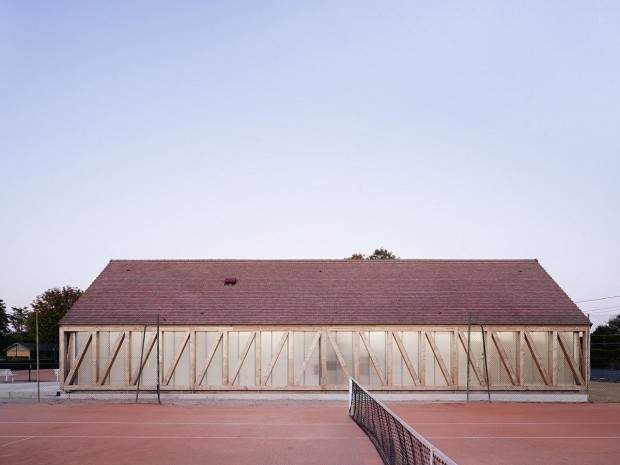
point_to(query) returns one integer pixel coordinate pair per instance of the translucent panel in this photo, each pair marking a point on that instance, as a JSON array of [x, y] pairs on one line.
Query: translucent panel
[[139, 346], [476, 348], [104, 353], [84, 374], [173, 342], [269, 345], [498, 374], [531, 374], [565, 374], [236, 344], [302, 343], [368, 372], [462, 355], [411, 343], [107, 341], [205, 341], [434, 376], [335, 373]]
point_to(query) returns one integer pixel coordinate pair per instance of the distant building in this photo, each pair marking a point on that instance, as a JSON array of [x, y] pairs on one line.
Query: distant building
[[308, 325], [28, 350]]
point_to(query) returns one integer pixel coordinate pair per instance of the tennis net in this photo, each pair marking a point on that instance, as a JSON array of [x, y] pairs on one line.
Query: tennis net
[[396, 442]]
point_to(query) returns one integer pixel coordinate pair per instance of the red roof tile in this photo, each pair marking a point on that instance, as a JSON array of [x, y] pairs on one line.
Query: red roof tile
[[324, 292]]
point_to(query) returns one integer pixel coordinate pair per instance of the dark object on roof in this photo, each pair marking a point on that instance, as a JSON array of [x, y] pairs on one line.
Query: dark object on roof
[[324, 292]]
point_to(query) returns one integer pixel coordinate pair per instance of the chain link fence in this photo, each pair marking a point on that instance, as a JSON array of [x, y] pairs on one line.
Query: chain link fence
[[605, 368]]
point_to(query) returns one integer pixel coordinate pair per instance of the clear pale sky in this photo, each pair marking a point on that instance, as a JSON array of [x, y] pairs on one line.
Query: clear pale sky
[[147, 129]]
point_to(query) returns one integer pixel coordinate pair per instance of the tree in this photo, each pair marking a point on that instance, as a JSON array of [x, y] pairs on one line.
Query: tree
[[51, 306], [19, 322], [378, 254], [605, 345], [4, 320], [612, 327]]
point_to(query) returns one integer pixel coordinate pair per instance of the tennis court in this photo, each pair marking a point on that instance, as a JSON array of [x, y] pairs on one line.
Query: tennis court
[[301, 432], [270, 433], [510, 433]]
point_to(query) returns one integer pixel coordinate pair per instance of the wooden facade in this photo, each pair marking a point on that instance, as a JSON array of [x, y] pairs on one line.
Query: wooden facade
[[197, 358]]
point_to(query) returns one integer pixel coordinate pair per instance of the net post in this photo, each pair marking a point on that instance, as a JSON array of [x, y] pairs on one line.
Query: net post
[[350, 393]]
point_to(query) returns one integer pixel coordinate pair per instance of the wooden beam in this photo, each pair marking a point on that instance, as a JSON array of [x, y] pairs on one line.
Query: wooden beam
[[192, 358], [584, 354], [176, 359], [406, 359], [422, 340], [212, 351], [127, 376], [304, 365], [454, 350], [95, 357], [114, 353], [323, 359], [388, 355], [225, 352], [290, 369], [78, 360], [569, 358], [537, 358], [521, 357], [373, 358], [553, 356], [472, 360], [439, 358], [258, 347], [274, 359], [339, 355], [244, 354], [356, 354], [503, 356], [145, 357]]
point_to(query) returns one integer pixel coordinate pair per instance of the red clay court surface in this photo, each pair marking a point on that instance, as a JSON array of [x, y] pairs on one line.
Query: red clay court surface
[[509, 434], [301, 433]]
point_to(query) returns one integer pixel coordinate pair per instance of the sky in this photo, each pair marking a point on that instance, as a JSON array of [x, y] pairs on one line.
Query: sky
[[290, 129]]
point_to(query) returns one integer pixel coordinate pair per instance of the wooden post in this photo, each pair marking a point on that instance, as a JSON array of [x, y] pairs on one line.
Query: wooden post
[[258, 347], [95, 357], [388, 356], [422, 340], [553, 356], [291, 360], [520, 357], [192, 358], [454, 350], [356, 354], [323, 360], [225, 358]]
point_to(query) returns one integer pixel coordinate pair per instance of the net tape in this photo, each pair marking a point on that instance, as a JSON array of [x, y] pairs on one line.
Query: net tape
[[396, 442]]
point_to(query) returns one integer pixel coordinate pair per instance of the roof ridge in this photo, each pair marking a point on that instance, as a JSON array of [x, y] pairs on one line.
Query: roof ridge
[[332, 260]]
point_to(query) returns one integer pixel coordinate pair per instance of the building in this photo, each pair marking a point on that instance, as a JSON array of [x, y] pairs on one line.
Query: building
[[308, 325], [28, 350]]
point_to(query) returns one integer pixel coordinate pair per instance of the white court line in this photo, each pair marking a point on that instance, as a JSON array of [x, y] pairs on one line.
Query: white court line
[[14, 442], [167, 423], [279, 438], [520, 437], [456, 423]]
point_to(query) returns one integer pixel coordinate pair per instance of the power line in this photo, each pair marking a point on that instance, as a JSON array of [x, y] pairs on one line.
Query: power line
[[602, 308], [601, 298]]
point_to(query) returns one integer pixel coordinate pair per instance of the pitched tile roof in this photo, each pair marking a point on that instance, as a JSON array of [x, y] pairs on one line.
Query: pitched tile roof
[[324, 292]]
